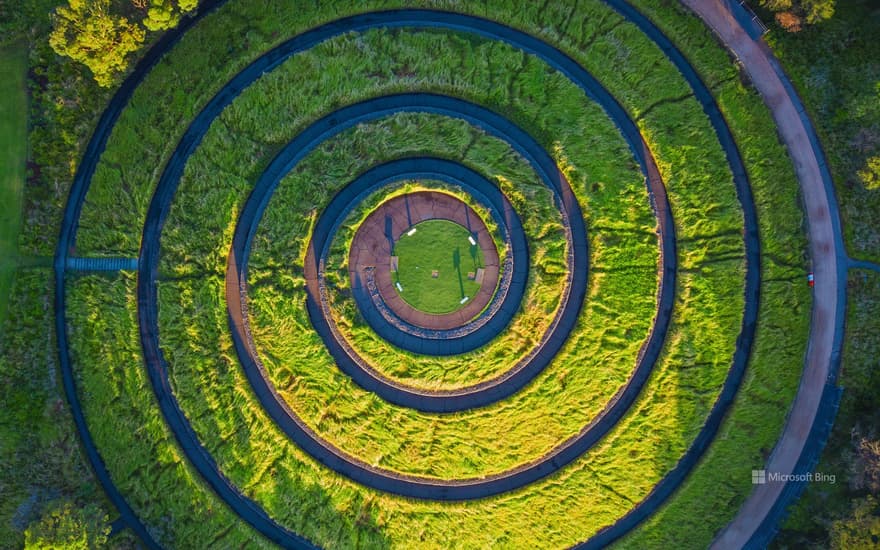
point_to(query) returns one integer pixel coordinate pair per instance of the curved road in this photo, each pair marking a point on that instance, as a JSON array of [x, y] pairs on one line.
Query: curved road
[[757, 517]]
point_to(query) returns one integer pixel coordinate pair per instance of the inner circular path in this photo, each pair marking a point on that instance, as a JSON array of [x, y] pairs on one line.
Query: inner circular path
[[504, 304], [392, 247]]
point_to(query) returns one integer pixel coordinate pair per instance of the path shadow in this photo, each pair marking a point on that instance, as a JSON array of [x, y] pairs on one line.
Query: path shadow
[[409, 221], [389, 231], [474, 250]]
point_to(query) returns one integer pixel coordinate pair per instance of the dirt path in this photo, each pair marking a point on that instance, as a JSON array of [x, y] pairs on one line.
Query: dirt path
[[825, 251]]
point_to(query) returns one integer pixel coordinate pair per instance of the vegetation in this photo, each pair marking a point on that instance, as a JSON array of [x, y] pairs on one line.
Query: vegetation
[[13, 145], [277, 305], [722, 480], [86, 32], [402, 135], [836, 69], [203, 300], [97, 34], [819, 518], [123, 417], [40, 463], [599, 487], [68, 526], [791, 15], [39, 458]]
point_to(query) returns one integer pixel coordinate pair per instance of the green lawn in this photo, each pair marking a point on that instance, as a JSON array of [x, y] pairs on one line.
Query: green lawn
[[13, 153], [434, 262]]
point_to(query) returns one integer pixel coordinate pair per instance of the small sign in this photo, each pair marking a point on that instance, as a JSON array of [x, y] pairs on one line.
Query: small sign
[[399, 288], [411, 232], [463, 300], [471, 239]]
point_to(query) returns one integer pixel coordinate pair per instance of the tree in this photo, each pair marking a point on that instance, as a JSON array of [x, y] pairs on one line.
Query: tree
[[65, 525], [165, 14], [87, 32], [860, 530], [793, 14], [870, 174]]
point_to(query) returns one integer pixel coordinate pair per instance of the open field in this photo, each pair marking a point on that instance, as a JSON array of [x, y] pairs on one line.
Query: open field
[[437, 246], [13, 154]]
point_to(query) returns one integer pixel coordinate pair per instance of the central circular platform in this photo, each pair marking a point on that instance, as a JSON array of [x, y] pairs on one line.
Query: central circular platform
[[434, 261]]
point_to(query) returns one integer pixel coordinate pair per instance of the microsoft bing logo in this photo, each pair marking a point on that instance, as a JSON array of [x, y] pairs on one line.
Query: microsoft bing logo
[[759, 477]]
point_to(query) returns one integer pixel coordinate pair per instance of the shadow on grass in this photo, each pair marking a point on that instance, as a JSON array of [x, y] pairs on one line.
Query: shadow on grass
[[456, 263]]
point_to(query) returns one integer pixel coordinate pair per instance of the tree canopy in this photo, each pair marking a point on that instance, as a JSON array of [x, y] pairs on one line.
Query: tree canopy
[[793, 14], [65, 525], [101, 34]]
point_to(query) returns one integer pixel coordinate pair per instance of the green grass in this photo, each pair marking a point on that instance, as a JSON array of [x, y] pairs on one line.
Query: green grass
[[137, 448], [13, 148], [598, 487], [434, 265]]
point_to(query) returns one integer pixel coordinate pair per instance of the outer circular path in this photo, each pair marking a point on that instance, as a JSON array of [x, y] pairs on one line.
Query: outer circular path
[[175, 419], [814, 407], [372, 249]]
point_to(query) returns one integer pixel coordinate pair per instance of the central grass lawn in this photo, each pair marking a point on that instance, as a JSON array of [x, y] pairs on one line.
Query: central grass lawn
[[13, 152], [441, 246]]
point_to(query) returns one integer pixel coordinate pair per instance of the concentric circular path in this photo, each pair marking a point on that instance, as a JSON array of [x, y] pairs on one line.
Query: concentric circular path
[[178, 423], [504, 304]]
